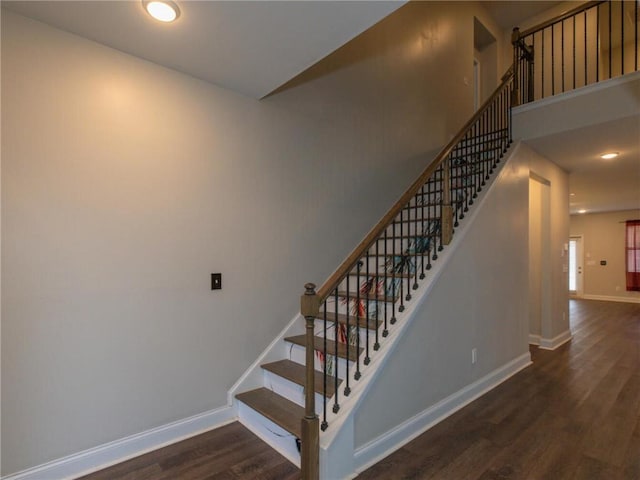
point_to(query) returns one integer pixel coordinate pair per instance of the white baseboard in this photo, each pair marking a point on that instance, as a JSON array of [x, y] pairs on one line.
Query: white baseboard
[[378, 448], [608, 298], [100, 457], [555, 342], [534, 339]]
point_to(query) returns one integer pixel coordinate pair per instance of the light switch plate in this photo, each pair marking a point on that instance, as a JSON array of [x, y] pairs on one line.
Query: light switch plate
[[216, 281]]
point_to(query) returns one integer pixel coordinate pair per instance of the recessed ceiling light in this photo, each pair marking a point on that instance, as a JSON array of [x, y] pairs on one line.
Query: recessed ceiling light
[[582, 211], [572, 194], [165, 10], [609, 156]]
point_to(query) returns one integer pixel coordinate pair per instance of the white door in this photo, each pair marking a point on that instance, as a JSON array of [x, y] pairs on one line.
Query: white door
[[575, 266]]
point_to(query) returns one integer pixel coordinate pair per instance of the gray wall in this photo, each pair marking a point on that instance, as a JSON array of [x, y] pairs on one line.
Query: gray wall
[[480, 301], [553, 279], [125, 184]]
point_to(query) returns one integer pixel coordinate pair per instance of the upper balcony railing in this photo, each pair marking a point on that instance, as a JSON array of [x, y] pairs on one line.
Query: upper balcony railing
[[595, 41]]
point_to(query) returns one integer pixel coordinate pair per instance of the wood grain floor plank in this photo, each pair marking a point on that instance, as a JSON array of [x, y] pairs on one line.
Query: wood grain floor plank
[[592, 469], [218, 454], [471, 463]]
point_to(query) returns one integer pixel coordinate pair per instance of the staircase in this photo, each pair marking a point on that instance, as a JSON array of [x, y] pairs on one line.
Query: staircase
[[365, 301], [308, 386]]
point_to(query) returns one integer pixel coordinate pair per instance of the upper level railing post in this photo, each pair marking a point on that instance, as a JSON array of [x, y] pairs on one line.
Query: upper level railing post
[[310, 446], [515, 92], [578, 47]]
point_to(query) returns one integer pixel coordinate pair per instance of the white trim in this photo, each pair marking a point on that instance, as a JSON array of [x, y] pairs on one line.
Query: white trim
[[539, 178], [378, 448], [607, 298], [579, 267], [97, 458], [578, 92], [534, 339], [555, 342]]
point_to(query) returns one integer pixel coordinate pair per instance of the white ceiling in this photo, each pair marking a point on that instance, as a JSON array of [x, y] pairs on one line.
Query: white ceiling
[[251, 47], [254, 47], [598, 185]]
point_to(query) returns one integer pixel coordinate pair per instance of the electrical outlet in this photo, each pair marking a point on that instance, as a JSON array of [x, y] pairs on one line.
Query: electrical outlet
[[216, 281]]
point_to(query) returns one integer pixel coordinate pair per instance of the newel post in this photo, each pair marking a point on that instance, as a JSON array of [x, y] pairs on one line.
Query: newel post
[[310, 447], [447, 209], [515, 92]]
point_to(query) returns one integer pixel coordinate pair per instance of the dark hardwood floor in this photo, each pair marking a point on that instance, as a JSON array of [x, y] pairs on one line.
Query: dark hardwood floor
[[227, 453], [574, 414]]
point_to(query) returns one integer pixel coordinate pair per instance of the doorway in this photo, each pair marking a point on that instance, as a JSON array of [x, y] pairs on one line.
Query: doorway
[[575, 266], [539, 258], [485, 63]]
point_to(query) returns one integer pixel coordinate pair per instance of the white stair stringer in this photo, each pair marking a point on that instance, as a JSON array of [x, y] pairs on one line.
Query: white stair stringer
[[337, 447]]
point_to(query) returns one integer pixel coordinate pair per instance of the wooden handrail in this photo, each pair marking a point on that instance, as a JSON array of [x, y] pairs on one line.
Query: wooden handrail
[[347, 265], [561, 17]]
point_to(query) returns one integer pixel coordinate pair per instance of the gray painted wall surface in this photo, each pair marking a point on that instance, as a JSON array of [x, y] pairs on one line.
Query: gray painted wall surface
[[554, 268], [480, 301], [604, 236], [125, 184]]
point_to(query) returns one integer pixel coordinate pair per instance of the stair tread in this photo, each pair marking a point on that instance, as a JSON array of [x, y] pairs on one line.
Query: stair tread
[[318, 345], [362, 296], [296, 373], [409, 237], [435, 191], [472, 149], [397, 254], [425, 205], [381, 276], [363, 322], [419, 220], [276, 408]]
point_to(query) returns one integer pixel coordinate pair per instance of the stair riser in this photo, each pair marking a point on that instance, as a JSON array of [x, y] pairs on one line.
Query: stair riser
[[377, 266], [430, 198], [475, 153], [373, 262], [407, 244], [487, 140], [319, 328], [372, 307], [298, 355], [415, 222], [289, 390], [274, 435], [363, 336]]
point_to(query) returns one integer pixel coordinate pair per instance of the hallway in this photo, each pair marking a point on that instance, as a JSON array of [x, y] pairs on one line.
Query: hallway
[[574, 414]]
